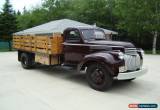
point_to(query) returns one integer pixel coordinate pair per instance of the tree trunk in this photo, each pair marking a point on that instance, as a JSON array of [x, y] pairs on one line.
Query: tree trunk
[[9, 45], [154, 42]]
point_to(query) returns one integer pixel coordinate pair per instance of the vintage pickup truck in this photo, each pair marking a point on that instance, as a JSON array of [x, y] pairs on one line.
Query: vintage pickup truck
[[86, 49]]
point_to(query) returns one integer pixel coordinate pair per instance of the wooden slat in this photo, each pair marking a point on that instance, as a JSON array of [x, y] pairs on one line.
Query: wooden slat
[[41, 44]]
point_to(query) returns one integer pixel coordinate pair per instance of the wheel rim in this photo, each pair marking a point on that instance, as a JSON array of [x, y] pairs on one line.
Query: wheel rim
[[98, 76], [24, 61]]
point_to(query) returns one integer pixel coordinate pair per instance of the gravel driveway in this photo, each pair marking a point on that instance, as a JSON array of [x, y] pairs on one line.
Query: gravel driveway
[[53, 88]]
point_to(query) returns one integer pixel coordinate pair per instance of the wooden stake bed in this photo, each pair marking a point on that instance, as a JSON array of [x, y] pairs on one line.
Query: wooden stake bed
[[51, 45]]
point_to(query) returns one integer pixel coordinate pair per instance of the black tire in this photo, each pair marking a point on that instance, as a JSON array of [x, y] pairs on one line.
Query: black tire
[[99, 77], [26, 61]]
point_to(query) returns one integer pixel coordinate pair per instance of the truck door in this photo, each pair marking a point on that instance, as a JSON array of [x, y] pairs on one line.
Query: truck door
[[73, 49]]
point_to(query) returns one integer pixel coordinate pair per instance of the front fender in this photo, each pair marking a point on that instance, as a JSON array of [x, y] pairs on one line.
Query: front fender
[[107, 59]]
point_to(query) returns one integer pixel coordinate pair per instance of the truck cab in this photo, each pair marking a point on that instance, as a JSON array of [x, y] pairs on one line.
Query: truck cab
[[103, 61]]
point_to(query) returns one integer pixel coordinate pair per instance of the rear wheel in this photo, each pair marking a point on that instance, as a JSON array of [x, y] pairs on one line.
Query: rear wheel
[[99, 77], [26, 61]]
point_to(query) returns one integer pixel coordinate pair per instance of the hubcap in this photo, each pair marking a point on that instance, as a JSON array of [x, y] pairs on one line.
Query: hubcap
[[24, 61], [98, 76]]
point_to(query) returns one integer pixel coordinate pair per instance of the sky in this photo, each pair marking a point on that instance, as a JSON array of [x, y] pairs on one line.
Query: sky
[[20, 4]]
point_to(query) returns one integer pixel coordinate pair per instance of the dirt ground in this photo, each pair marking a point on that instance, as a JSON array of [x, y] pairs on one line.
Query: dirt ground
[[54, 88]]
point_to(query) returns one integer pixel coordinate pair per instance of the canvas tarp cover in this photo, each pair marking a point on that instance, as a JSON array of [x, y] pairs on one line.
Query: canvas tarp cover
[[56, 26]]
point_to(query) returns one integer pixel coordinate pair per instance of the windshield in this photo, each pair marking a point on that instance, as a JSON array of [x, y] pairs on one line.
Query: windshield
[[93, 34]]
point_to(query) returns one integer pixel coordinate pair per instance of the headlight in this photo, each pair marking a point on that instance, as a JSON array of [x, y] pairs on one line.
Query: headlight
[[142, 52], [121, 55]]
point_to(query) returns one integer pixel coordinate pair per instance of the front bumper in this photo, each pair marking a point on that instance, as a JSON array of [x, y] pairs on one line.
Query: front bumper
[[131, 75]]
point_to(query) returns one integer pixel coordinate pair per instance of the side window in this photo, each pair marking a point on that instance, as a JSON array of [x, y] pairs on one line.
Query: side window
[[73, 36]]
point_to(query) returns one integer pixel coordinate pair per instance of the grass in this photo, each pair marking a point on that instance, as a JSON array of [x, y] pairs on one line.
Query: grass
[[150, 52]]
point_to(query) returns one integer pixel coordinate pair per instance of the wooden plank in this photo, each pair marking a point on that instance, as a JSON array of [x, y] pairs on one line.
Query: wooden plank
[[42, 44]]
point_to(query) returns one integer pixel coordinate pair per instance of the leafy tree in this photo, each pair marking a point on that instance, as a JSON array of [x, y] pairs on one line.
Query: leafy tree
[[7, 23], [87, 11], [18, 13], [139, 16]]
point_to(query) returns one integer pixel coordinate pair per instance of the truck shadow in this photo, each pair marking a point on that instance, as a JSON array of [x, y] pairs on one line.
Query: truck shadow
[[138, 86], [64, 73]]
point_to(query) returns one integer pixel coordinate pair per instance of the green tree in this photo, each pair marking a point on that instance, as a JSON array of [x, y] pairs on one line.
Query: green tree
[[31, 18], [87, 11], [18, 13], [139, 16], [7, 23]]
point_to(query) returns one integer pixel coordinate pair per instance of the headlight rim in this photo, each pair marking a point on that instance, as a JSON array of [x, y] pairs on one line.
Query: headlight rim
[[142, 52], [121, 55]]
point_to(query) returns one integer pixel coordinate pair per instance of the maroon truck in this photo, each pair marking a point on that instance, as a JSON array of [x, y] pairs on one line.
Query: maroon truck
[[103, 61]]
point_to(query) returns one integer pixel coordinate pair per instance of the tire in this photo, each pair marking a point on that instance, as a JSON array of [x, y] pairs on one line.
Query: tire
[[99, 77], [26, 61]]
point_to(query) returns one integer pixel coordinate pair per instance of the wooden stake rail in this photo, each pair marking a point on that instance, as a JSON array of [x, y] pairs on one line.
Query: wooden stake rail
[[40, 44]]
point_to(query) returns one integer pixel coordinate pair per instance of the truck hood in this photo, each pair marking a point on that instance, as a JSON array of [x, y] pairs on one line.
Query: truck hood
[[113, 43]]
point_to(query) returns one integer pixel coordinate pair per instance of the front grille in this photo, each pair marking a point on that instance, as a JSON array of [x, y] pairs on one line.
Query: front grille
[[130, 51], [132, 63], [132, 59]]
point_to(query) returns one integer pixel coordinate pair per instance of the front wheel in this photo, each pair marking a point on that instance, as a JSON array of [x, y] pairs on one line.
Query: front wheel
[[99, 77]]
